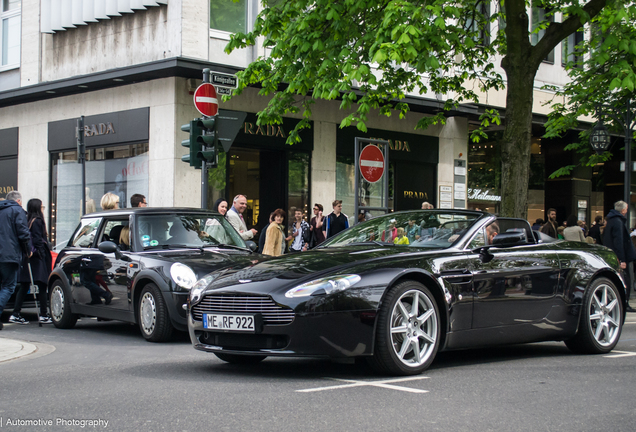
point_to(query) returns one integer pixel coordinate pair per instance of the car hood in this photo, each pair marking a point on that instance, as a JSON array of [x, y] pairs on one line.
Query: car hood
[[266, 274], [209, 260]]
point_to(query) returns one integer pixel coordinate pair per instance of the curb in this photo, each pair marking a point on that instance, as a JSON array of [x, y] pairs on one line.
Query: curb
[[11, 349]]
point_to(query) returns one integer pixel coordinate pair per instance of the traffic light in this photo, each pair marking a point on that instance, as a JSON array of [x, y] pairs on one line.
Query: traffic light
[[207, 140], [195, 131]]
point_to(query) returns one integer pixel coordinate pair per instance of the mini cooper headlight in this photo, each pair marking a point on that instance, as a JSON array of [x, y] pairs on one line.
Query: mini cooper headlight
[[182, 275], [199, 287], [327, 286]]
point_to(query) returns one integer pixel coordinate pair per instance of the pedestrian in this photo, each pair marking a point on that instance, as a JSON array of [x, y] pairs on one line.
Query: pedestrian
[[401, 239], [235, 217], [573, 232], [40, 265], [595, 230], [300, 233], [336, 221], [138, 200], [263, 237], [275, 238], [537, 224], [550, 227], [109, 201], [317, 234], [616, 237], [14, 232], [560, 233], [427, 206], [220, 206]]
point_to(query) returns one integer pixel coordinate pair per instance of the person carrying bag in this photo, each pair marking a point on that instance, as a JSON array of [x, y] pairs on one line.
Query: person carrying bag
[[41, 263]]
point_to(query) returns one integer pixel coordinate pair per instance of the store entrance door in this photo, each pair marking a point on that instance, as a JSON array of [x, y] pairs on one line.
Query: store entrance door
[[260, 175]]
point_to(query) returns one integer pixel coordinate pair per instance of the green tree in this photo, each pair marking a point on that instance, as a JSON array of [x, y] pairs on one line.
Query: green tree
[[605, 81], [372, 53]]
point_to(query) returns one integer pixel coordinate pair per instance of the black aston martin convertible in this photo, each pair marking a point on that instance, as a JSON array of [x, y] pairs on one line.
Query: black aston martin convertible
[[398, 288]]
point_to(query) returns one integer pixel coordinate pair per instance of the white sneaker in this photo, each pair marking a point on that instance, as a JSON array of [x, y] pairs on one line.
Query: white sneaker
[[18, 319], [46, 320]]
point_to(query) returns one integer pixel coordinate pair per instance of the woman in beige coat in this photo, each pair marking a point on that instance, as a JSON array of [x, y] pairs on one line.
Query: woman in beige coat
[[573, 232], [275, 235]]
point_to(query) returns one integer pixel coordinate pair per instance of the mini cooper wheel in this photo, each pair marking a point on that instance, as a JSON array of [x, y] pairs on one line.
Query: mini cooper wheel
[[152, 314], [601, 319], [408, 331], [240, 359], [61, 307]]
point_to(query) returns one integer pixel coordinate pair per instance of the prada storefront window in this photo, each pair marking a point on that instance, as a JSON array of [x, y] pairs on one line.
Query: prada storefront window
[[121, 169]]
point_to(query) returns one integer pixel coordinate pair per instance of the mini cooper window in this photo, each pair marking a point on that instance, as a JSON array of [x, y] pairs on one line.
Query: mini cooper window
[[85, 234], [429, 229], [165, 231]]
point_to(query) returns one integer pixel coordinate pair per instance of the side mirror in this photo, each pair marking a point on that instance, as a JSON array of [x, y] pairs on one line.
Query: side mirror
[[510, 239], [110, 247], [484, 254], [250, 244]]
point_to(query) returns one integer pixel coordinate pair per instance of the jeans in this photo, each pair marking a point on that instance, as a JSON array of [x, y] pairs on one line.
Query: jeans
[[8, 277]]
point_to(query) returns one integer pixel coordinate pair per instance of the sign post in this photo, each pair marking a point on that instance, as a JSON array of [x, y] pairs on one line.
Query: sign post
[[81, 158], [372, 161]]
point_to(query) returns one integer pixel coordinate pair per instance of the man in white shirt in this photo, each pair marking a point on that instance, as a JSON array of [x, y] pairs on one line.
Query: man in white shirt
[[235, 218]]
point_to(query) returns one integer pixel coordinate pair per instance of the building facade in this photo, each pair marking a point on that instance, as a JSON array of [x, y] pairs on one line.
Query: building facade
[[131, 67]]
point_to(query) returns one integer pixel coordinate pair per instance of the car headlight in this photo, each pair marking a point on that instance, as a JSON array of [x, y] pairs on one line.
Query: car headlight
[[324, 286], [183, 275], [199, 287]]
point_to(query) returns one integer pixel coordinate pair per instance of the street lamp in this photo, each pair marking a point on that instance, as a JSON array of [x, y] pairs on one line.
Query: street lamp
[[600, 138]]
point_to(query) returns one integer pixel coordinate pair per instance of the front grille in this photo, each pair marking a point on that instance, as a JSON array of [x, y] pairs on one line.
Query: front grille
[[272, 313]]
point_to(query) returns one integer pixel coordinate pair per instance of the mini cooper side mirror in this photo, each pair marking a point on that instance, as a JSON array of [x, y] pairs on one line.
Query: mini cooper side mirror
[[110, 247], [250, 244]]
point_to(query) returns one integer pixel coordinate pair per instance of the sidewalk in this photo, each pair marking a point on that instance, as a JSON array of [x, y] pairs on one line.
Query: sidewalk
[[11, 349]]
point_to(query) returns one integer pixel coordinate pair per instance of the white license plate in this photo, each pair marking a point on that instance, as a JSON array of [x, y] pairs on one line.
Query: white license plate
[[242, 323]]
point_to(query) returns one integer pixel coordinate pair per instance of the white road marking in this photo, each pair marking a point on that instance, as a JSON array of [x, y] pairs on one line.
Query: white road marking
[[382, 383], [622, 354]]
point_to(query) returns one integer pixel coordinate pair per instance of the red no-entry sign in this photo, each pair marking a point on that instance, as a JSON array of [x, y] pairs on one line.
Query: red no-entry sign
[[205, 100], [371, 163]]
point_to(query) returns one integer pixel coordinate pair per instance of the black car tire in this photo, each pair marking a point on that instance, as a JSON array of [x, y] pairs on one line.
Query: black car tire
[[152, 315], [392, 353], [602, 306], [240, 359], [61, 307]]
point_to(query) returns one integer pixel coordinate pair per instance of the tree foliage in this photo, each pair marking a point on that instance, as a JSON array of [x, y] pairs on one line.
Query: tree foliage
[[372, 54], [601, 86]]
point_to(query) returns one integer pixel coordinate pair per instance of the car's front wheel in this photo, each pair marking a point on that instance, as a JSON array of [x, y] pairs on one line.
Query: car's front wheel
[[408, 331], [152, 315], [601, 319], [240, 359], [61, 307]]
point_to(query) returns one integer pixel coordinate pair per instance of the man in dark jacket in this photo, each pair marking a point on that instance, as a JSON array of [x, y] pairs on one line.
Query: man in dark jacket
[[14, 232], [595, 231], [616, 237], [550, 227]]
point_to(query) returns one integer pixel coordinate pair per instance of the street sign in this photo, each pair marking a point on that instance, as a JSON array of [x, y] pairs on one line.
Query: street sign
[[223, 80], [205, 100], [371, 163], [223, 90]]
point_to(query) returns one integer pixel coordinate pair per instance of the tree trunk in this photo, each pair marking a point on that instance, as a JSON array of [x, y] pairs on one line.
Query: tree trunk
[[515, 148]]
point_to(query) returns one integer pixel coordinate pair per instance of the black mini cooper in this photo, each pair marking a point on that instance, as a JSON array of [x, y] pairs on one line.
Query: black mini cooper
[[138, 265]]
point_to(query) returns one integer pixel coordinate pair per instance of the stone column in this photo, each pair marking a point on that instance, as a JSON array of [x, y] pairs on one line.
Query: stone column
[[453, 144], [323, 166]]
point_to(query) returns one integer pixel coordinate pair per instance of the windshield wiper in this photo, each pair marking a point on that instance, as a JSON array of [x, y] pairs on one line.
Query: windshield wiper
[[225, 245], [171, 246], [376, 242]]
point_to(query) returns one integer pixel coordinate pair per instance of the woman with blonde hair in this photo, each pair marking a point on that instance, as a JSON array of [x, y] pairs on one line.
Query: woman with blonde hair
[[124, 238], [275, 235], [109, 201]]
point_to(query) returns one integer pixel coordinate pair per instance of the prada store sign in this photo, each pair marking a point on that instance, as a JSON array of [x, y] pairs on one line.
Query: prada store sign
[[122, 127], [8, 161]]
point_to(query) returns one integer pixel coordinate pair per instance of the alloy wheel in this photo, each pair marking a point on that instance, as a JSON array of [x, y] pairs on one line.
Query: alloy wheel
[[148, 313], [57, 303], [413, 328], [605, 315]]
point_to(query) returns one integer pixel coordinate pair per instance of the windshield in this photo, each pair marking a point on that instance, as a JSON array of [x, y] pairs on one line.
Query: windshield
[[184, 230], [436, 229]]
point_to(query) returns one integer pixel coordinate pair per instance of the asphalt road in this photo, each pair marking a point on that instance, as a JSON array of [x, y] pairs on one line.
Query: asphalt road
[[106, 371]]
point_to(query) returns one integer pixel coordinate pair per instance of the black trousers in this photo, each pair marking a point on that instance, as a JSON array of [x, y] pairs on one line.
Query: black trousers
[[22, 292]]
